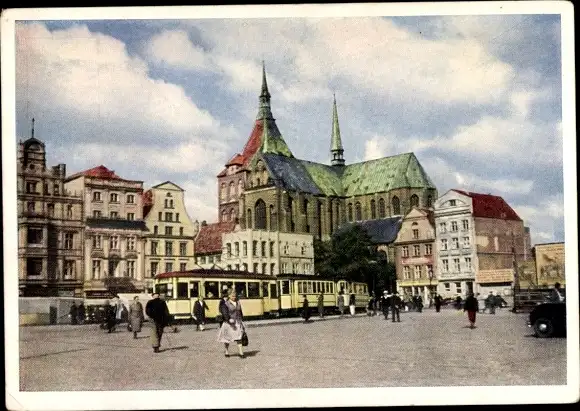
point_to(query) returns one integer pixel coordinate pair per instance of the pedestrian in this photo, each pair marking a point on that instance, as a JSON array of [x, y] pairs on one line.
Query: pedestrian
[[110, 318], [321, 304], [341, 303], [386, 304], [156, 309], [458, 301], [73, 313], [371, 305], [556, 294], [232, 329], [305, 309], [437, 301], [199, 308], [419, 303], [471, 306], [118, 306], [81, 313], [395, 306], [223, 300], [351, 305], [490, 303], [136, 316]]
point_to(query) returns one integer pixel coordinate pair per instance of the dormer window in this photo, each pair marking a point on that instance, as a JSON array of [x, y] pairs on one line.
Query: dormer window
[[452, 203]]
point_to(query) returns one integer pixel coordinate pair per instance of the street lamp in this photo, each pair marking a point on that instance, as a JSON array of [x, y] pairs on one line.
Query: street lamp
[[430, 273]]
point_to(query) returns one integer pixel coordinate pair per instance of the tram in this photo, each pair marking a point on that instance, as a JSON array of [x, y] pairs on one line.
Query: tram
[[260, 295]]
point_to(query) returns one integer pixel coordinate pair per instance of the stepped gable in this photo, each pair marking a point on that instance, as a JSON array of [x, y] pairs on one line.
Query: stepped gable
[[490, 206], [209, 238]]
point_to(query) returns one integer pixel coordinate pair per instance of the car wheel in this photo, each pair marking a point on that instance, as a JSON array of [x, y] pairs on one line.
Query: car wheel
[[543, 327]]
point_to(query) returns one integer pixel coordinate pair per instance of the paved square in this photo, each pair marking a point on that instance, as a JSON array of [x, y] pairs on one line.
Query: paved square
[[425, 349]]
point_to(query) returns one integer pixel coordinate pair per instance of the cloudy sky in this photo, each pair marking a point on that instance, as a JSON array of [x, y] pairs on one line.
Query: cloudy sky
[[476, 98]]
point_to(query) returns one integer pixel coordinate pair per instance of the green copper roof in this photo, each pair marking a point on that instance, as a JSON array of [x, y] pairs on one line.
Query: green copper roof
[[384, 174], [272, 140], [264, 112], [327, 178]]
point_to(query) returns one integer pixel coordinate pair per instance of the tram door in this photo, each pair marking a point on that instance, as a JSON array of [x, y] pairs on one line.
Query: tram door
[[285, 296]]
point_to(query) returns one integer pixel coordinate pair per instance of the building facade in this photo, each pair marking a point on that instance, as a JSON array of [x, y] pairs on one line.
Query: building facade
[[415, 254], [50, 226], [268, 252], [208, 244], [114, 231], [168, 244]]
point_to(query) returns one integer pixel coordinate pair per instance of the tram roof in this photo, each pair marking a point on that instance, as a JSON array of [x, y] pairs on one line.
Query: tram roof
[[214, 273]]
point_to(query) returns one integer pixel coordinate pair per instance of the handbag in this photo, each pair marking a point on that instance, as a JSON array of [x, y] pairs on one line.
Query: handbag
[[245, 341]]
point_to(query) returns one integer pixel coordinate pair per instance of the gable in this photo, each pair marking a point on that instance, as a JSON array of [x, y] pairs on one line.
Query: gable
[[168, 185]]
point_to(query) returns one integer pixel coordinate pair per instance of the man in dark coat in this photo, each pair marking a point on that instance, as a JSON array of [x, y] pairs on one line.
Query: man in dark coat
[[73, 313], [199, 308], [156, 309], [472, 307], [395, 306], [305, 309], [109, 314], [419, 303], [386, 304], [81, 313], [437, 300]]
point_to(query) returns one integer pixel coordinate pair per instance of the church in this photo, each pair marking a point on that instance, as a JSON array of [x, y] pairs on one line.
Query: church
[[266, 188]]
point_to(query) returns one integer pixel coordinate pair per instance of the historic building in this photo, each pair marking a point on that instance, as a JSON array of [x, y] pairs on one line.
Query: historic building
[[208, 243], [266, 188], [168, 244], [50, 226], [478, 238], [114, 230], [415, 254], [268, 252]]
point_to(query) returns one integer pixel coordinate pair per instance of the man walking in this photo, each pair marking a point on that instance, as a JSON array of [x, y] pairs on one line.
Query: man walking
[[156, 309], [437, 300], [73, 313], [340, 303], [490, 303], [199, 308], [81, 313], [395, 306], [321, 304], [471, 306], [386, 304]]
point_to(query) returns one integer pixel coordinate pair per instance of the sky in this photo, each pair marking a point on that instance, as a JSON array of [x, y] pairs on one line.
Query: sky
[[478, 99]]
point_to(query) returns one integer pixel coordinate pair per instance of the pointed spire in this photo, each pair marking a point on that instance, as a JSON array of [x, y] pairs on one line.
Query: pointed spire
[[336, 149], [32, 133], [265, 92], [264, 112]]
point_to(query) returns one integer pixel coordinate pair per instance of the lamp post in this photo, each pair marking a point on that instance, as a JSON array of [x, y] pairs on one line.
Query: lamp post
[[516, 274], [430, 273]]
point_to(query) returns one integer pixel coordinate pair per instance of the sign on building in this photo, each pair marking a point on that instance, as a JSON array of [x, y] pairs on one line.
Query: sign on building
[[504, 275], [550, 264]]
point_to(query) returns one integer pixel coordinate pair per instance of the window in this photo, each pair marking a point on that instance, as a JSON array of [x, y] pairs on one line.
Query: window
[[253, 290], [160, 216], [97, 244], [456, 266], [154, 245], [442, 227], [468, 263], [181, 231], [349, 211], [382, 210], [69, 211], [168, 216], [30, 206], [244, 248], [244, 267], [114, 214], [50, 209], [373, 210], [260, 214], [131, 268], [264, 268], [452, 203], [211, 289], [130, 199], [429, 201], [417, 272], [465, 224], [428, 249], [34, 235], [271, 248], [444, 244], [445, 265], [415, 234], [166, 203], [407, 272], [69, 270], [249, 218], [168, 267], [182, 249], [130, 243], [396, 204], [295, 268], [31, 187], [168, 248], [182, 290], [155, 229], [255, 271], [414, 201], [241, 289], [114, 198], [130, 216], [458, 288], [228, 250], [455, 243], [358, 211], [96, 269], [466, 242], [114, 242], [236, 249], [303, 249], [286, 248], [416, 250], [68, 241], [453, 226], [202, 259], [97, 196], [255, 248], [264, 249], [272, 269], [405, 251], [154, 268], [231, 190], [447, 286], [96, 214], [182, 266], [168, 230]]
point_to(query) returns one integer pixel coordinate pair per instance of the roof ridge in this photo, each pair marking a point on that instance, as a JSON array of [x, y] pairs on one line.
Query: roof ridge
[[379, 159]]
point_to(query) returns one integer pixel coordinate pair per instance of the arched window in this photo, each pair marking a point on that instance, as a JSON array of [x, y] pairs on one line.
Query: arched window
[[396, 205], [273, 221], [223, 191], [305, 210], [429, 201], [373, 210], [240, 186], [224, 215], [232, 215], [414, 200], [249, 218], [260, 214], [358, 211], [231, 190], [330, 217], [258, 182], [319, 218], [291, 211], [382, 208], [349, 211]]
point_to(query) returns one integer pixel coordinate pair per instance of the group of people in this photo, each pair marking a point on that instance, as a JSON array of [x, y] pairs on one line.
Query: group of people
[[320, 303], [77, 313]]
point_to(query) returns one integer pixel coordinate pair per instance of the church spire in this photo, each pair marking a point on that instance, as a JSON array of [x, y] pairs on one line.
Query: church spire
[[32, 132], [264, 111], [336, 144]]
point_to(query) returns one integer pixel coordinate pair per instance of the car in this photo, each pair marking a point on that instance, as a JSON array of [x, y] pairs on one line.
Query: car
[[548, 319]]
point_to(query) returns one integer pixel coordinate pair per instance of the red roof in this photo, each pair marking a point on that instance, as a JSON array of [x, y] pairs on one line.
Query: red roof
[[236, 160], [209, 238], [251, 147], [98, 172], [147, 202], [489, 206]]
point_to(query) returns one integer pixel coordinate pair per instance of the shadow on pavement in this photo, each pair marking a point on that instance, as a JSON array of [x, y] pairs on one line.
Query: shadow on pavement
[[181, 347], [251, 353]]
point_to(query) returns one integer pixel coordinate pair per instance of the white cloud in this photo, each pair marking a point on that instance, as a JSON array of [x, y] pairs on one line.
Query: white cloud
[[201, 199], [373, 149], [174, 48]]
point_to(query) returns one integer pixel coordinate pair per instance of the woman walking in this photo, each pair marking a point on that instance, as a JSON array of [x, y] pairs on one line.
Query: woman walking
[[233, 327], [341, 303], [351, 305], [136, 316], [471, 306], [305, 309]]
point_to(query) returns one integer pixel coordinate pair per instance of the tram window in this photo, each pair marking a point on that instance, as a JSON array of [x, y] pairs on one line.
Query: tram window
[[331, 288], [241, 290], [253, 290], [225, 286], [194, 290], [264, 289], [273, 291], [309, 287], [161, 288], [285, 287], [211, 289], [181, 290], [300, 288]]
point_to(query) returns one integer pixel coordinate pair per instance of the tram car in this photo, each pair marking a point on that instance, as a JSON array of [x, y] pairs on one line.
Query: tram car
[[260, 295]]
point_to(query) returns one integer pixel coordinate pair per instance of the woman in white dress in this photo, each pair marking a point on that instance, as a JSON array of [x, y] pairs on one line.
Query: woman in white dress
[[232, 328]]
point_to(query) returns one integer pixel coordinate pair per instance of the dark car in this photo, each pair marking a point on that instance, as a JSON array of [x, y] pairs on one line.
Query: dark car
[[548, 319]]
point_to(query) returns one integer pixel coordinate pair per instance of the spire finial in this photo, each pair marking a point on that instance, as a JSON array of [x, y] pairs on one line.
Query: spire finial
[[32, 133], [265, 92], [264, 111], [336, 149]]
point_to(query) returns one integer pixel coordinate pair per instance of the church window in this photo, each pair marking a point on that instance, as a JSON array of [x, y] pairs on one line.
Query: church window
[[414, 200], [258, 182], [240, 186], [232, 215], [260, 215], [319, 217], [273, 222], [231, 190], [349, 211], [330, 217], [249, 218], [358, 211], [291, 211], [305, 209], [373, 210], [396, 205], [382, 208], [224, 215], [223, 191]]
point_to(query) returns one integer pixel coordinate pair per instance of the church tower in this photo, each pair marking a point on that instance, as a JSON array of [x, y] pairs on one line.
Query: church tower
[[336, 149]]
